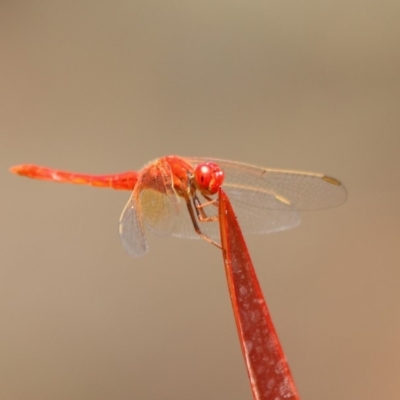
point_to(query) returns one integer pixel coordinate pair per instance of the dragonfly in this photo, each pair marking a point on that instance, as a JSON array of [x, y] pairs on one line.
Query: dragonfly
[[215, 200], [178, 196]]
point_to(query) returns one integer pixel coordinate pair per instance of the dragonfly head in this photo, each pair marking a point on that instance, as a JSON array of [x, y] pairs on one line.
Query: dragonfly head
[[208, 177]]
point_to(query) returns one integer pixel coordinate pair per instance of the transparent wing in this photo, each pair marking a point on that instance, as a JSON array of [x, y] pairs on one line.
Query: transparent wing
[[160, 210], [158, 201], [251, 220], [131, 228], [168, 215], [267, 200], [183, 224], [153, 205]]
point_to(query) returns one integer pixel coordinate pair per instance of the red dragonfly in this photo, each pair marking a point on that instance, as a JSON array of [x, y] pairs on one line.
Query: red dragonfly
[[177, 196], [191, 197]]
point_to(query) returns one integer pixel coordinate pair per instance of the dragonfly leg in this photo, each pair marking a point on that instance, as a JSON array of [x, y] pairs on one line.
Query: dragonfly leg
[[199, 207], [210, 202], [196, 225]]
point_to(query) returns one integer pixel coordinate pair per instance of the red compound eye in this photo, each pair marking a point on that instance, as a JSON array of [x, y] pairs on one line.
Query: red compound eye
[[208, 177]]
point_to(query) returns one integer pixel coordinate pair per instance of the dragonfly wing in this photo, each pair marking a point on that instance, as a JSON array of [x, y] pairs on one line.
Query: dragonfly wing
[[159, 210], [255, 219], [183, 224], [131, 228], [251, 219], [158, 200], [168, 215], [267, 200]]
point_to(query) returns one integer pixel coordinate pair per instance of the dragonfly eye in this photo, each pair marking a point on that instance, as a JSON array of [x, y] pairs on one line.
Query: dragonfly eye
[[208, 177]]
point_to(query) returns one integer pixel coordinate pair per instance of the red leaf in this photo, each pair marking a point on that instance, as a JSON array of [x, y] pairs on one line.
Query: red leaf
[[268, 370]]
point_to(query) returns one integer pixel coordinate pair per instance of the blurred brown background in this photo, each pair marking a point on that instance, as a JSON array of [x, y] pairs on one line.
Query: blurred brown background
[[103, 87]]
